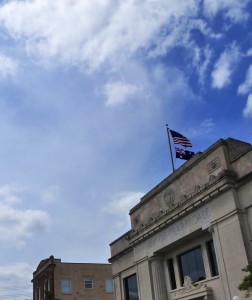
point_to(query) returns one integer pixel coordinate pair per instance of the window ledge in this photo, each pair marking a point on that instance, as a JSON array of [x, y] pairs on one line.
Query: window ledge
[[190, 291]]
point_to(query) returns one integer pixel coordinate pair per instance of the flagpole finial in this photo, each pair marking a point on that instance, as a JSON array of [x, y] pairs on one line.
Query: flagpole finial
[[166, 125]]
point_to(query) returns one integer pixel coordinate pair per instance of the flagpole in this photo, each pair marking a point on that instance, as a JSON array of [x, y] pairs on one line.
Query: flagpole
[[167, 129]]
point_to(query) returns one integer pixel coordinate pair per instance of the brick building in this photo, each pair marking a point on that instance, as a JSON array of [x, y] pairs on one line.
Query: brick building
[[73, 281]]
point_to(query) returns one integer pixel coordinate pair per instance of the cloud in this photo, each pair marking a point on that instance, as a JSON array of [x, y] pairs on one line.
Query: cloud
[[15, 281], [246, 86], [8, 66], [51, 194], [86, 31], [201, 61], [119, 92], [17, 224], [21, 272], [232, 9], [121, 203], [225, 66], [91, 34], [9, 194], [99, 31], [206, 127], [247, 112]]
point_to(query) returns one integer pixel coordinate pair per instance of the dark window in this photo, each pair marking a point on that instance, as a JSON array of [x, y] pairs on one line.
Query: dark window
[[191, 264], [131, 291], [172, 274], [212, 258], [88, 283]]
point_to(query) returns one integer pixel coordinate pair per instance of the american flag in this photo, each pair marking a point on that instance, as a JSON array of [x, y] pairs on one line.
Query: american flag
[[180, 139]]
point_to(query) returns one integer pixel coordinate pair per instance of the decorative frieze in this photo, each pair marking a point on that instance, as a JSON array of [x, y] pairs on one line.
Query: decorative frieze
[[191, 291], [179, 201]]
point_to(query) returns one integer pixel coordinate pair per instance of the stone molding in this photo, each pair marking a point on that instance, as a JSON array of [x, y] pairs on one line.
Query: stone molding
[[191, 291], [226, 180]]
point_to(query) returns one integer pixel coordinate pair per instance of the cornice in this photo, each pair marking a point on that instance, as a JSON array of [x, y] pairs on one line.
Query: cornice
[[120, 254], [178, 173], [224, 181]]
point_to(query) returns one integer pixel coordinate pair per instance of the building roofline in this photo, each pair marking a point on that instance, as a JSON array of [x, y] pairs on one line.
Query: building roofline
[[186, 167], [122, 236]]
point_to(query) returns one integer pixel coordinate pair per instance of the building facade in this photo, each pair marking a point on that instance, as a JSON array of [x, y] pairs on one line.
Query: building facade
[[190, 236], [72, 281]]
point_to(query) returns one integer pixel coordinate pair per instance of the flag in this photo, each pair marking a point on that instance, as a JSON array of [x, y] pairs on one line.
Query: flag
[[183, 154], [180, 139]]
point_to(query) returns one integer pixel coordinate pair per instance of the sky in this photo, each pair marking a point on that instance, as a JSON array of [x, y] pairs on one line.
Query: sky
[[86, 91]]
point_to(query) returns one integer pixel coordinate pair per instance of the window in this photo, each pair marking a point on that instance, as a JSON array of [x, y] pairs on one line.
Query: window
[[49, 285], [191, 264], [66, 286], [130, 285], [172, 274], [212, 258], [88, 283], [109, 285]]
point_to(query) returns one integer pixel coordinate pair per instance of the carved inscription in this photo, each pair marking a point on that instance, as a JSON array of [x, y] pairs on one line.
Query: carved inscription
[[198, 219]]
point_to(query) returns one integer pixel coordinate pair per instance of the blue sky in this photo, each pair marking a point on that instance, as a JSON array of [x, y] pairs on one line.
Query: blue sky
[[86, 88]]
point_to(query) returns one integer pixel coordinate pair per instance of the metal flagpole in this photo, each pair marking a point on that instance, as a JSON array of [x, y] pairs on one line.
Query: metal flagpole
[[173, 169]]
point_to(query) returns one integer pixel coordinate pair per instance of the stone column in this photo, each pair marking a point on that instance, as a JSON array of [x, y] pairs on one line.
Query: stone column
[[158, 278]]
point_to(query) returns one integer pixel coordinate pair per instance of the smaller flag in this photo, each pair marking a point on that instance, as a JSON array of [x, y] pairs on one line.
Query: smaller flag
[[180, 139], [183, 154]]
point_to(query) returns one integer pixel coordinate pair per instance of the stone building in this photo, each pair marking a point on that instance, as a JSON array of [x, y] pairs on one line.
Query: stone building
[[73, 281], [190, 236]]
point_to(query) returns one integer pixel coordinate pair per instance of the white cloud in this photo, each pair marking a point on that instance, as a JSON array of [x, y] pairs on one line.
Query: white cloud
[[206, 127], [15, 281], [247, 112], [51, 194], [246, 86], [8, 66], [18, 224], [122, 203], [225, 66], [21, 272], [9, 194], [233, 9], [201, 61], [119, 92], [92, 31]]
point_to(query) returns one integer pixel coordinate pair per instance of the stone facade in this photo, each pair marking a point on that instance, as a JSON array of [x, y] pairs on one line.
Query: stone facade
[[73, 281], [190, 236]]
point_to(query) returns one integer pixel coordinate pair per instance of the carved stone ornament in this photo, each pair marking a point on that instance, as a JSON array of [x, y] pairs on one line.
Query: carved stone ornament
[[169, 198], [214, 165], [136, 220], [212, 179], [191, 291], [188, 285]]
